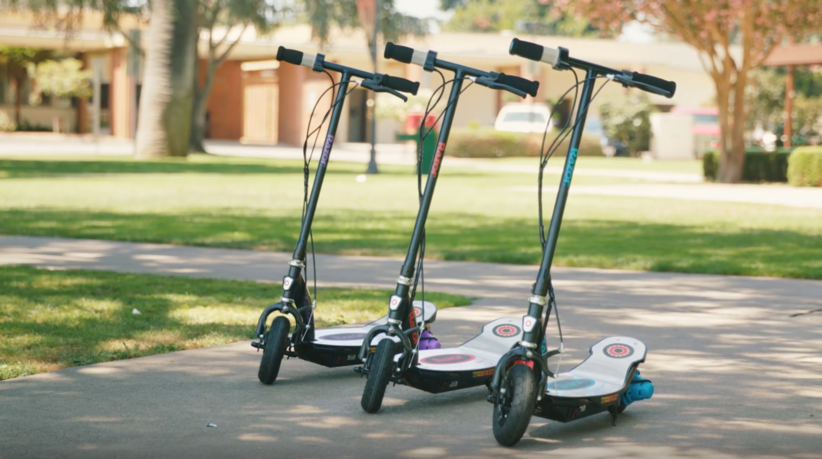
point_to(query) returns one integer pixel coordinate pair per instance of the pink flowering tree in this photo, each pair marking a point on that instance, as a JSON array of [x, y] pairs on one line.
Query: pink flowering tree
[[732, 37]]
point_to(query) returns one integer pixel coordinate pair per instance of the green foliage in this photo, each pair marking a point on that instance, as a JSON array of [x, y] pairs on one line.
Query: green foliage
[[323, 15], [490, 143], [63, 78], [765, 98], [538, 17], [805, 167], [629, 121], [6, 123], [760, 166]]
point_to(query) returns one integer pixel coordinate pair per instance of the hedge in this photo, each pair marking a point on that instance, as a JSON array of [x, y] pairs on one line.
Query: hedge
[[760, 166], [805, 167], [490, 143]]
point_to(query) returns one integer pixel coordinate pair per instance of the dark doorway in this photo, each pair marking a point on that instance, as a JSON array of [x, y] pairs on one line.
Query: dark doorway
[[357, 112]]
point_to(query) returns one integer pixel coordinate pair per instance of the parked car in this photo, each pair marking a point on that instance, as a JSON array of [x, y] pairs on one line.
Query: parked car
[[706, 127], [523, 117]]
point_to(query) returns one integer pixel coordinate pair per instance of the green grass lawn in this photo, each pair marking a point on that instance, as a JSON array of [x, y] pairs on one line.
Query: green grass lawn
[[57, 319], [476, 215]]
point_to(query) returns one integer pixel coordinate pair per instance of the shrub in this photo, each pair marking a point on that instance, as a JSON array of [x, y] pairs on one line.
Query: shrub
[[6, 123], [629, 121], [760, 166], [490, 143], [805, 167]]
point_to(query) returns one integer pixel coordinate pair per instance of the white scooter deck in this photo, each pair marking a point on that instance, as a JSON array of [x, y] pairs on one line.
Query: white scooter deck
[[481, 353], [353, 336], [604, 372]]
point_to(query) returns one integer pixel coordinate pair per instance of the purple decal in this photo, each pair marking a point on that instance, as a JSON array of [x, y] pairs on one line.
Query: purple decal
[[326, 149]]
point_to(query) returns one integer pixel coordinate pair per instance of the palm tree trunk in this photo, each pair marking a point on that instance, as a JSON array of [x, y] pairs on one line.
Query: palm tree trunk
[[166, 102]]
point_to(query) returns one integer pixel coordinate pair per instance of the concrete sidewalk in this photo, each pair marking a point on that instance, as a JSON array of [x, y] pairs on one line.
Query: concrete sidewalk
[[736, 376]]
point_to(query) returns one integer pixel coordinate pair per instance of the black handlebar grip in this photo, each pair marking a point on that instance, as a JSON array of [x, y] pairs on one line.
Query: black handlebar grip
[[525, 49], [398, 53], [400, 84], [289, 55], [527, 86], [664, 85]]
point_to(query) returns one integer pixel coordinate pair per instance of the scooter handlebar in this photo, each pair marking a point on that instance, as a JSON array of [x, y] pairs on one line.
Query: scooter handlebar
[[400, 84], [527, 86], [666, 88], [405, 54], [295, 57], [534, 52]]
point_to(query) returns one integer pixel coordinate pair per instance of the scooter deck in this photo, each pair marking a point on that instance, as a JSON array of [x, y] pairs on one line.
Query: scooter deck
[[339, 346], [470, 364], [596, 383]]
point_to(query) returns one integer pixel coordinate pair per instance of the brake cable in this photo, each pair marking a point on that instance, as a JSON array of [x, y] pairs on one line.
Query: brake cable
[[544, 157], [307, 173], [423, 134]]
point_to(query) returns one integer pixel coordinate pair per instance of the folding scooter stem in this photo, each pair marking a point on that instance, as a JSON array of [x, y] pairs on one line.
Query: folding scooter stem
[[403, 290], [305, 230], [536, 306]]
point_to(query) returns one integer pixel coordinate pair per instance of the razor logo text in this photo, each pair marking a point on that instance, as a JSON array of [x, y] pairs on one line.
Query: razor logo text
[[435, 167], [569, 170], [326, 149]]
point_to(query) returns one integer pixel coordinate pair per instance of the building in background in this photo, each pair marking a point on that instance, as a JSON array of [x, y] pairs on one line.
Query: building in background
[[257, 100]]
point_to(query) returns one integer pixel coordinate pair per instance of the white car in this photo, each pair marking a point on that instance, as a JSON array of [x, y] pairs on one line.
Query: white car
[[523, 117]]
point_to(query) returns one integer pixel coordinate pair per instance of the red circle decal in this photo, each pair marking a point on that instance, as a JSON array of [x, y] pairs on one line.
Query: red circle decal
[[618, 351], [506, 330]]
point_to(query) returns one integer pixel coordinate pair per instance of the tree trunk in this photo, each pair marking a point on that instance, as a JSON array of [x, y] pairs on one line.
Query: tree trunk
[[732, 128], [198, 124], [18, 100], [168, 83]]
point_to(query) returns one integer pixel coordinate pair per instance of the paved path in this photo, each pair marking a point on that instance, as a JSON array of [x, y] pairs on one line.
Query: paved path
[[736, 376]]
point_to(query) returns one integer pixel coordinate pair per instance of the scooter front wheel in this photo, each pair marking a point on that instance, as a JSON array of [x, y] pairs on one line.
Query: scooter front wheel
[[382, 365], [513, 410], [276, 340]]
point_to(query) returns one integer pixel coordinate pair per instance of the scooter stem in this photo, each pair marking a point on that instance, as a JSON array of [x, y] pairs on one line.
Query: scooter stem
[[305, 229]]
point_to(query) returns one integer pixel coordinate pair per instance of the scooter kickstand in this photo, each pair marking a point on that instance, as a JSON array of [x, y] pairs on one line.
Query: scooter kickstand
[[613, 410]]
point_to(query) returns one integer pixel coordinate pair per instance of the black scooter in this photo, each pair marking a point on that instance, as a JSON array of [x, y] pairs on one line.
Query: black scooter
[[609, 379], [397, 357], [337, 346]]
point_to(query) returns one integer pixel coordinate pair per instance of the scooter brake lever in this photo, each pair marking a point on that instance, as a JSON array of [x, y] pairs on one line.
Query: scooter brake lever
[[490, 83], [376, 87]]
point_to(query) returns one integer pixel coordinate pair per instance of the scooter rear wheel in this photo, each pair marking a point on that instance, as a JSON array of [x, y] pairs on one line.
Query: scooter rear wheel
[[382, 365], [513, 414], [276, 340]]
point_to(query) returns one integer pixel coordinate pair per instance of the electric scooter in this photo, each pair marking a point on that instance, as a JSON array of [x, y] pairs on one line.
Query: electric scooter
[[336, 346], [609, 378], [400, 359]]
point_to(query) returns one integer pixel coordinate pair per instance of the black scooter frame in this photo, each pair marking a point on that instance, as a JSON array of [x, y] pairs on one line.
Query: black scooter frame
[[401, 318], [542, 299], [296, 299]]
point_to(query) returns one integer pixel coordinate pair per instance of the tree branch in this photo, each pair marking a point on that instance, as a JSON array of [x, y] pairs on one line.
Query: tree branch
[[230, 48]]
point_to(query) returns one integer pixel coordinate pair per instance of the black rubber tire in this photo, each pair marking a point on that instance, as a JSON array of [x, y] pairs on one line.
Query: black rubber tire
[[276, 341], [382, 365], [521, 390]]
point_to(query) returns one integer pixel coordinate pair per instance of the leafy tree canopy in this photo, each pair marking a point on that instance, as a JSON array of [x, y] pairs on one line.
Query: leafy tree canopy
[[539, 17]]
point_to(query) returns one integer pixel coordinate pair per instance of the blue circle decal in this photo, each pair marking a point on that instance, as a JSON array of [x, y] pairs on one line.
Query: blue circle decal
[[571, 384]]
